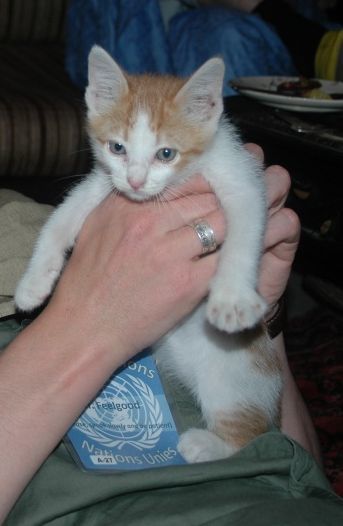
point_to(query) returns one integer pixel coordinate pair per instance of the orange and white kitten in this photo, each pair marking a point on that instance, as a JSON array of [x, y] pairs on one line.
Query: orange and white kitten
[[148, 134]]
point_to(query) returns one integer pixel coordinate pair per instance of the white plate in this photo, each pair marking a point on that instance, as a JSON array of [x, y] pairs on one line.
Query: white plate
[[264, 89]]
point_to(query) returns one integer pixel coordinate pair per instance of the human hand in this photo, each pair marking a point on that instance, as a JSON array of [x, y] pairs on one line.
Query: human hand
[[134, 272]]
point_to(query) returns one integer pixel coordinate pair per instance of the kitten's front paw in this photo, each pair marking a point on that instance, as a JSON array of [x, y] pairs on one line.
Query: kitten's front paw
[[32, 291], [200, 445], [233, 312]]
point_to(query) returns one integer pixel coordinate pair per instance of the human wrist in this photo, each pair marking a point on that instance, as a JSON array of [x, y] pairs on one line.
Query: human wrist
[[64, 363]]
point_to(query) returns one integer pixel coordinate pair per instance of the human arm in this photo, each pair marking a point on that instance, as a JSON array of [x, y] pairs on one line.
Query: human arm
[[132, 276]]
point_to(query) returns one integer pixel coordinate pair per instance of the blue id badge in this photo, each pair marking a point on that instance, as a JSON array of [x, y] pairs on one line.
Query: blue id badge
[[129, 425]]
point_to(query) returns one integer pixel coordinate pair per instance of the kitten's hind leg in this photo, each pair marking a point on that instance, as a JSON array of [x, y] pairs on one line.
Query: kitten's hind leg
[[230, 433], [201, 445]]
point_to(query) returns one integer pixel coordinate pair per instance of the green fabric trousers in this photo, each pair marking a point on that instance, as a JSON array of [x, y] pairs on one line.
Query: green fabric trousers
[[272, 481]]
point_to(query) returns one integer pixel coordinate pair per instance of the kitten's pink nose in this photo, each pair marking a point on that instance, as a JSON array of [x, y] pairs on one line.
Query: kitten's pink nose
[[135, 184]]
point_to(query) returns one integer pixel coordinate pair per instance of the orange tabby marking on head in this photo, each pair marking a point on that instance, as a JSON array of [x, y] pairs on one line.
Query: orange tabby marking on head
[[154, 96]]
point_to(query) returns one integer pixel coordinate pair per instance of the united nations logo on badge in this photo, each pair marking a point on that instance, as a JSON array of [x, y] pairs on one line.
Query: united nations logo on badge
[[126, 413]]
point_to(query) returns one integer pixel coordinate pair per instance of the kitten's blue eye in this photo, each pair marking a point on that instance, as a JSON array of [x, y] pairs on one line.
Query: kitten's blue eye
[[166, 154], [116, 148]]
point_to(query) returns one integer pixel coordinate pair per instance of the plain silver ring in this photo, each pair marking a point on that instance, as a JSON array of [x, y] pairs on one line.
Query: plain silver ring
[[206, 235]]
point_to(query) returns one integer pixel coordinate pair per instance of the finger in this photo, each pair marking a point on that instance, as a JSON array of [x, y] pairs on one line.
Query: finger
[[282, 233], [282, 241], [186, 241], [278, 183], [184, 211], [255, 150]]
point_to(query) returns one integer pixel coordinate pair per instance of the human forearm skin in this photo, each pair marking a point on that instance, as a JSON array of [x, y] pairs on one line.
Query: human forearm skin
[[47, 376], [295, 419]]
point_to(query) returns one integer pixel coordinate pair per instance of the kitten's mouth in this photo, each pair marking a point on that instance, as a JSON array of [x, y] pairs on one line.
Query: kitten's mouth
[[141, 194], [133, 195], [138, 195]]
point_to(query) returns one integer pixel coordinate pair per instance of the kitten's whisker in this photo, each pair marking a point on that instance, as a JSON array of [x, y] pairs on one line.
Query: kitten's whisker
[[165, 205], [177, 194], [159, 202], [81, 150], [112, 189]]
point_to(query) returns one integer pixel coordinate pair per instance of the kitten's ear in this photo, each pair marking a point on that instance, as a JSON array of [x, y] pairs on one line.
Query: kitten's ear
[[106, 81], [201, 96]]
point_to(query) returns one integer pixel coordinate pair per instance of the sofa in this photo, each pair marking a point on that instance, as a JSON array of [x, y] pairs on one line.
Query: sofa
[[42, 135]]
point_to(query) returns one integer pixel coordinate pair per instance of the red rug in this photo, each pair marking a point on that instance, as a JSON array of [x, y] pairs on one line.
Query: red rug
[[315, 349]]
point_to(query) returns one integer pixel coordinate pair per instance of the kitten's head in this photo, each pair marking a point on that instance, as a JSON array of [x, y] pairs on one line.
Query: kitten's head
[[146, 129]]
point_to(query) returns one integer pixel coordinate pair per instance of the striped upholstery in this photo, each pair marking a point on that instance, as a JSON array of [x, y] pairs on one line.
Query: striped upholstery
[[41, 112], [32, 20]]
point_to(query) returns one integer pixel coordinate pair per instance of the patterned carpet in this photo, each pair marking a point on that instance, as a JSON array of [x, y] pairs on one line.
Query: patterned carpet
[[315, 349]]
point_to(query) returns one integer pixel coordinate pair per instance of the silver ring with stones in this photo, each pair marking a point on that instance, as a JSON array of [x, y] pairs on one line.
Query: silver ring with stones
[[206, 235]]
